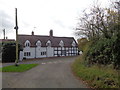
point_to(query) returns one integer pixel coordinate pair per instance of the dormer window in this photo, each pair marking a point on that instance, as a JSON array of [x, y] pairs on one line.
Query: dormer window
[[48, 43], [38, 44], [27, 43], [61, 43], [73, 44]]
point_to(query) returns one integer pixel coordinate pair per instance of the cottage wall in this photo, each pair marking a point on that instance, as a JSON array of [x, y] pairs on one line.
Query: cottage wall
[[50, 52], [41, 52], [29, 52]]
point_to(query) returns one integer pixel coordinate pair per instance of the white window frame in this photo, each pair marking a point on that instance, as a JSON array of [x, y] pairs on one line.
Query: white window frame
[[48, 44], [28, 54], [38, 44], [27, 43], [61, 43]]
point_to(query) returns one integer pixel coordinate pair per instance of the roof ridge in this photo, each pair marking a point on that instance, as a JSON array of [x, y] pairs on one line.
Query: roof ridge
[[44, 36], [32, 35]]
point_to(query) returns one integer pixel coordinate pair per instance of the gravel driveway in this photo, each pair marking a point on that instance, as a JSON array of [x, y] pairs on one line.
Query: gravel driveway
[[50, 73]]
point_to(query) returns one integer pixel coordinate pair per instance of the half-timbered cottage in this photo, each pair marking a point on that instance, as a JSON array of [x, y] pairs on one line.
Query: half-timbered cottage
[[38, 46]]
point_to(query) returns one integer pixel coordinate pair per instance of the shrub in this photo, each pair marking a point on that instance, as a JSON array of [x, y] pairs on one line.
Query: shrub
[[81, 43], [9, 52], [104, 51]]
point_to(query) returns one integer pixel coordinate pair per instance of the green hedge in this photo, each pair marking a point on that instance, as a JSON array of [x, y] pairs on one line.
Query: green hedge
[[104, 51], [9, 52]]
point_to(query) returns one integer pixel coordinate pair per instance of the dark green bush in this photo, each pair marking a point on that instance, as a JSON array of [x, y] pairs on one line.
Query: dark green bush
[[9, 52], [104, 51]]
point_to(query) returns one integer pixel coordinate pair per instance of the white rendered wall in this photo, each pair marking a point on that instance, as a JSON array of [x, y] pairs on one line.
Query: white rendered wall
[[31, 50], [39, 50], [50, 52], [21, 55], [36, 52]]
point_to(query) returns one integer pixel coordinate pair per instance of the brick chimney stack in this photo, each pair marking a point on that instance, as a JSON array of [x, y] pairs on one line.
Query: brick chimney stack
[[32, 33], [51, 32], [6, 37]]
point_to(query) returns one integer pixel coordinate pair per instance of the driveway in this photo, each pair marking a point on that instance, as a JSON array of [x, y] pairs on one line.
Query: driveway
[[50, 73]]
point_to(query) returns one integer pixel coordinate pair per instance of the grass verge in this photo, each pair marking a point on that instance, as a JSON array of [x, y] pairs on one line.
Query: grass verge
[[96, 77], [20, 68]]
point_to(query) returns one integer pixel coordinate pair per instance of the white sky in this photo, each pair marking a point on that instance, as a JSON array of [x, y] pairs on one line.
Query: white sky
[[59, 15]]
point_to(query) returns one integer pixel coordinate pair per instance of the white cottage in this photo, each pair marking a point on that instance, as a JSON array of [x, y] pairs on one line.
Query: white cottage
[[37, 46]]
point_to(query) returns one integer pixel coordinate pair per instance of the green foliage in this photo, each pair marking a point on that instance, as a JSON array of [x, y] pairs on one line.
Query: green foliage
[[9, 52], [104, 51], [116, 52], [102, 27], [20, 68], [95, 76], [81, 43]]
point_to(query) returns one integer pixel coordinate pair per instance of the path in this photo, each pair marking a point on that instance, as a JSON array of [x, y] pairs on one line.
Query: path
[[50, 73]]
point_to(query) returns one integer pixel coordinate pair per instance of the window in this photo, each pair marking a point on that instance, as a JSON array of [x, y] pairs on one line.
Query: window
[[48, 43], [24, 53], [27, 43], [63, 52], [38, 43], [61, 43], [43, 53], [55, 48], [27, 54]]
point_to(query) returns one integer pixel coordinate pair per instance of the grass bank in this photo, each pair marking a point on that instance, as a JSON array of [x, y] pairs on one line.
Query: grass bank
[[20, 68], [96, 76]]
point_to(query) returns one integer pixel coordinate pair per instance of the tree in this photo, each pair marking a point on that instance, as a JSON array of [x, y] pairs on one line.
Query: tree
[[102, 27], [98, 22]]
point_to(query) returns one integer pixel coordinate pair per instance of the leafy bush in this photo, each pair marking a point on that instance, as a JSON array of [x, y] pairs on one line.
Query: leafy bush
[[102, 27], [116, 52], [81, 43], [104, 51]]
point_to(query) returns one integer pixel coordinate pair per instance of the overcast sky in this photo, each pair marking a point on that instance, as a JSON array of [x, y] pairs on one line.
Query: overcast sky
[[59, 15]]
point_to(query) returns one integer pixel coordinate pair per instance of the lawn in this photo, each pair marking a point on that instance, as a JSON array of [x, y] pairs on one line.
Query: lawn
[[20, 68], [96, 77]]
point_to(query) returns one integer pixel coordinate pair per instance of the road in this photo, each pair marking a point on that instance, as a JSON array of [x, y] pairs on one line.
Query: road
[[50, 73]]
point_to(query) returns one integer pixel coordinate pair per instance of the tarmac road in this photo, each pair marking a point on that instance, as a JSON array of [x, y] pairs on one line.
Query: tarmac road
[[50, 73]]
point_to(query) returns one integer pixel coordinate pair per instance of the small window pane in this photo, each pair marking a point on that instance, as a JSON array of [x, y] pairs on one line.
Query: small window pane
[[24, 53]]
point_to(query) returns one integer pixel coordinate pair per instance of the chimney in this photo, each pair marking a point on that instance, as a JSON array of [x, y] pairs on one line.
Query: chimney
[[51, 32], [32, 33], [6, 37]]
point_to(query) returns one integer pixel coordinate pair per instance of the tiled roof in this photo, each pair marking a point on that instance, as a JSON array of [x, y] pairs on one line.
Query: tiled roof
[[54, 40]]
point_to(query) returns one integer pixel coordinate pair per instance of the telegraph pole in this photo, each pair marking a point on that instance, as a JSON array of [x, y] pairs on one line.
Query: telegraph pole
[[4, 33], [16, 27]]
